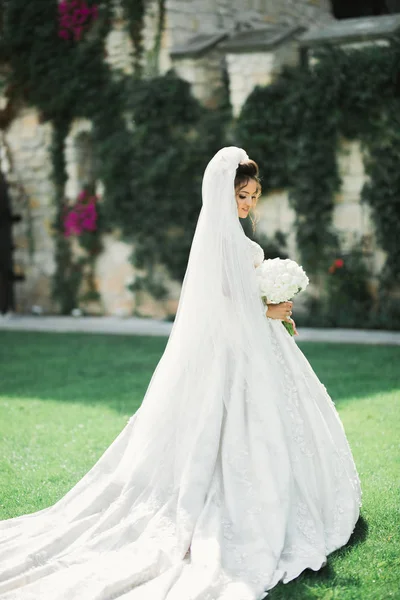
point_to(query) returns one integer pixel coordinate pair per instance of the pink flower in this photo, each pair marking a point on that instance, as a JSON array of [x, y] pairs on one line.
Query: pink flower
[[66, 21], [82, 195], [89, 224], [85, 10], [90, 208], [339, 262], [72, 224], [95, 12], [90, 212], [63, 34], [74, 17], [63, 7], [80, 16], [82, 216]]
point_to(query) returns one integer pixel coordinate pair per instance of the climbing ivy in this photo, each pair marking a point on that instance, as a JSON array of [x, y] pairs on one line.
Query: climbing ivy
[[152, 139], [293, 135], [292, 128], [60, 75], [173, 140], [149, 136], [134, 15]]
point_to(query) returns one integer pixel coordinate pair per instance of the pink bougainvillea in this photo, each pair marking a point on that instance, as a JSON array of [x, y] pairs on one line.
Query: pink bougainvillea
[[82, 216], [74, 17]]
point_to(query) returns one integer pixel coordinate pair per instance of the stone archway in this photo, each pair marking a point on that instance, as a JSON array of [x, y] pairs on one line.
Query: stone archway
[[80, 162]]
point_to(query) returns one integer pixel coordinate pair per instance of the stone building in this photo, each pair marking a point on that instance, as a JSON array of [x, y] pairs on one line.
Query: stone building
[[205, 41]]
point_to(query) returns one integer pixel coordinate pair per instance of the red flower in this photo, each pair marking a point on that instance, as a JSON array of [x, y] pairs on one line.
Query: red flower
[[339, 262]]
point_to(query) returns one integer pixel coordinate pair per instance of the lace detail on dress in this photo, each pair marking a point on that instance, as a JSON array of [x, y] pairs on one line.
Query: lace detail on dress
[[306, 524], [234, 453], [257, 253], [292, 399]]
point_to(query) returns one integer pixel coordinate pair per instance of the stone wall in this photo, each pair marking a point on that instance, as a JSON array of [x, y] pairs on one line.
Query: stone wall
[[248, 69], [245, 69], [27, 164], [351, 218], [27, 144], [119, 47], [308, 13], [186, 19], [204, 74], [114, 273]]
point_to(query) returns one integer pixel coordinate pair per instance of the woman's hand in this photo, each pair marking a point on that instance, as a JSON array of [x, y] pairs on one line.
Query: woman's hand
[[281, 311]]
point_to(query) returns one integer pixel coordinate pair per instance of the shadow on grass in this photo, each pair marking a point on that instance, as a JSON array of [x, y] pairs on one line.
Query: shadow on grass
[[97, 369], [301, 588], [116, 370], [352, 371]]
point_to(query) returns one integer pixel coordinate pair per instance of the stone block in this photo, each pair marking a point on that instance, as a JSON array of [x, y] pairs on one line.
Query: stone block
[[275, 213], [259, 70], [378, 260], [44, 261], [34, 203], [345, 197], [348, 217], [113, 270], [20, 242], [147, 306], [339, 198], [356, 162], [38, 292], [368, 225], [350, 159], [29, 124], [352, 185]]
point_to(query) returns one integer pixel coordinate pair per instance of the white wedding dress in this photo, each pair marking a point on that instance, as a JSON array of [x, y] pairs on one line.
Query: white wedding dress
[[235, 472]]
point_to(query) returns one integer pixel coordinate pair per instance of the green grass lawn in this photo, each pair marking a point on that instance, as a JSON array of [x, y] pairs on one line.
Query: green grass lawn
[[65, 397]]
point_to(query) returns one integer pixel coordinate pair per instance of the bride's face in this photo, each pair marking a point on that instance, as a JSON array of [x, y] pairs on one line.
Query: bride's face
[[246, 198]]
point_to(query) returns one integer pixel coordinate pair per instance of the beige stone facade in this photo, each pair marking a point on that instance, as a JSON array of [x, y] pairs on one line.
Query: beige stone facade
[[351, 218], [248, 69], [26, 143], [26, 162]]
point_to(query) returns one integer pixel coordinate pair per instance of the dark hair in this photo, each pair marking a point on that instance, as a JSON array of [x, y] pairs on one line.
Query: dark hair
[[248, 169]]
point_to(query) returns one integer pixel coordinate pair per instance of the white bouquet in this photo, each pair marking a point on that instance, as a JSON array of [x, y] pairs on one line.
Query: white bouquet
[[280, 280]]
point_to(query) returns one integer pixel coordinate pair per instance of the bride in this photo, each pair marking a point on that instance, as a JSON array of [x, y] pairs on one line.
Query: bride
[[235, 472]]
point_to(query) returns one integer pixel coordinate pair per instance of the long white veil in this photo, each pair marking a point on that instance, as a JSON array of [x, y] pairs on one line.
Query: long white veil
[[218, 458]]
